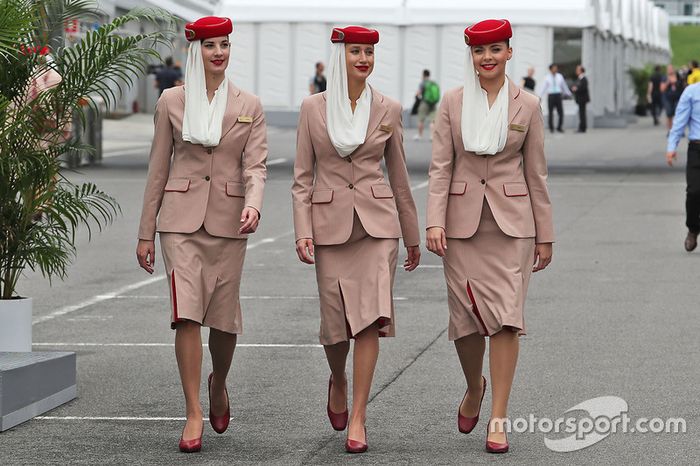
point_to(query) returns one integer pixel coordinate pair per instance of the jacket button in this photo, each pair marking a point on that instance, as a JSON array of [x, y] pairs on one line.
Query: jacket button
[[207, 178], [483, 181], [209, 151], [351, 186]]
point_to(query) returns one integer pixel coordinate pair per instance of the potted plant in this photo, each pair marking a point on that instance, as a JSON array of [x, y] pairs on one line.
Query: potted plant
[[42, 86], [640, 81]]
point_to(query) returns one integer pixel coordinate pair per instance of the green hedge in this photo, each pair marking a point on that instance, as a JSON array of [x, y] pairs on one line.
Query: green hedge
[[685, 44]]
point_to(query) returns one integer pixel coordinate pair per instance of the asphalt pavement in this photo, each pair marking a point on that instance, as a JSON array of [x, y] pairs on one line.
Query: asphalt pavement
[[615, 315]]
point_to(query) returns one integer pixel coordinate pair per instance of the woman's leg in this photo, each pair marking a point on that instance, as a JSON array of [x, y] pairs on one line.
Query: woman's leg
[[470, 350], [337, 356], [364, 361], [188, 350], [221, 347], [503, 357]]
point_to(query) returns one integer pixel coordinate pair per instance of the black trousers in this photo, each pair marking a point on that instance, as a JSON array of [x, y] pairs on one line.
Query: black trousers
[[554, 101], [657, 106], [692, 197], [582, 116]]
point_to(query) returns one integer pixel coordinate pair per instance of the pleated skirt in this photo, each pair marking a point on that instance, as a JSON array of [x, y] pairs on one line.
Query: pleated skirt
[[204, 278], [355, 285], [487, 278]]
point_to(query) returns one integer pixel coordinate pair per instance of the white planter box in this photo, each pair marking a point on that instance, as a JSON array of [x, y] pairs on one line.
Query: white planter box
[[16, 325]]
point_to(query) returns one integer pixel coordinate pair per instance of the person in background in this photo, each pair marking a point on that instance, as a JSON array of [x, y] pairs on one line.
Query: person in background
[[429, 94], [555, 88], [168, 76], [582, 97], [694, 74], [654, 93], [318, 82], [528, 82], [671, 91], [688, 115]]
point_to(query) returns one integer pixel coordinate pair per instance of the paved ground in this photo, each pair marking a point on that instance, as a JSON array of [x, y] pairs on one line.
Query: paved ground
[[614, 315]]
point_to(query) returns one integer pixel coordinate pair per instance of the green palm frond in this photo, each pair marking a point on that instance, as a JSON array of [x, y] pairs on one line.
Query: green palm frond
[[40, 209]]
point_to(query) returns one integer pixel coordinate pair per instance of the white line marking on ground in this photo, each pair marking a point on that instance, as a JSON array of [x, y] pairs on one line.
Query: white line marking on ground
[[170, 345], [134, 286], [275, 162], [109, 418], [420, 186]]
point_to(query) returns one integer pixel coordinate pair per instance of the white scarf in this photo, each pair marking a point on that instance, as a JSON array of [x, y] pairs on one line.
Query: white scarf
[[346, 129], [484, 129], [202, 121]]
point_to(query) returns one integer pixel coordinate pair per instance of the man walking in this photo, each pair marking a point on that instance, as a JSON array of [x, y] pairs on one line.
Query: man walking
[[317, 83], [688, 114], [582, 97], [168, 76], [654, 94], [429, 95], [555, 87]]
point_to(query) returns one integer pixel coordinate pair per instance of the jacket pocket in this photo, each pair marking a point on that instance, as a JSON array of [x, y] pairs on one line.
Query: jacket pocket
[[323, 196], [381, 191], [458, 188], [515, 189], [235, 189], [179, 185]]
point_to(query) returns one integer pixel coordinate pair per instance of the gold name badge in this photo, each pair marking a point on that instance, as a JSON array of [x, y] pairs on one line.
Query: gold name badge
[[245, 119], [521, 128], [385, 128]]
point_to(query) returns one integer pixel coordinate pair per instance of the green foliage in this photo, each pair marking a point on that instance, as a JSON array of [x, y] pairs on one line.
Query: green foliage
[[684, 44], [640, 80], [40, 209]]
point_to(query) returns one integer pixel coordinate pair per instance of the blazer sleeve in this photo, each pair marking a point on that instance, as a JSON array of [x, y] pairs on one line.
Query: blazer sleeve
[[158, 170], [254, 158], [441, 165], [535, 169], [302, 187], [395, 159]]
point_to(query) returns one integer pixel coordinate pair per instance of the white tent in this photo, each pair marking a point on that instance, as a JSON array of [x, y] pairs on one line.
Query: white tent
[[277, 42]]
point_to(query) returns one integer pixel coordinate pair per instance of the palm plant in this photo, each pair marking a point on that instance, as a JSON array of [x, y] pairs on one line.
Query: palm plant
[[41, 209]]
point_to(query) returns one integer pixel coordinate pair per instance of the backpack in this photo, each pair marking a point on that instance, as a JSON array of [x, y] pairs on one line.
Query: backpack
[[431, 92]]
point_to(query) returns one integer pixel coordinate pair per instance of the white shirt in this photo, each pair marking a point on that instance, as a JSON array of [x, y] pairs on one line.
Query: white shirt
[[555, 84]]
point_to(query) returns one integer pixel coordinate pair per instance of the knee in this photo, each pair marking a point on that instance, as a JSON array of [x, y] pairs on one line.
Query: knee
[[187, 325]]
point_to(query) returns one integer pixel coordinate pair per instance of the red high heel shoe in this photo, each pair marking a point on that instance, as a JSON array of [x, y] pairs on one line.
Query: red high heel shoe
[[218, 423], [467, 424], [339, 421], [495, 447], [355, 446], [191, 446]]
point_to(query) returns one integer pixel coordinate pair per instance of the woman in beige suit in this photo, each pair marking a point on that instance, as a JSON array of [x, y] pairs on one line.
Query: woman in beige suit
[[348, 219], [489, 217], [205, 184]]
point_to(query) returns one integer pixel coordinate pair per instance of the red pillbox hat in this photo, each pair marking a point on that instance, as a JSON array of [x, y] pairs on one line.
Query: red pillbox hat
[[208, 27], [488, 32], [354, 35], [38, 50]]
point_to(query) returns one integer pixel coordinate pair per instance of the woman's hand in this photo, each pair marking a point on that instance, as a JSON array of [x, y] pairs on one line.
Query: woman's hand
[[146, 254], [413, 258], [436, 241], [249, 219], [305, 250], [543, 252]]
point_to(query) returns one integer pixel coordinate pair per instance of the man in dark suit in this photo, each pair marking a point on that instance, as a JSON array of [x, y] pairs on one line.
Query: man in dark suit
[[582, 97]]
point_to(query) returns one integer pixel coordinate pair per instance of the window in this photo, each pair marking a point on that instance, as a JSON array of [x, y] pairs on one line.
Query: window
[[567, 51]]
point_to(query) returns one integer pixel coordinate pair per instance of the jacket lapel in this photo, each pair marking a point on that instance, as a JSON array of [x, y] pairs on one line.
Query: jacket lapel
[[234, 107], [514, 104], [377, 112]]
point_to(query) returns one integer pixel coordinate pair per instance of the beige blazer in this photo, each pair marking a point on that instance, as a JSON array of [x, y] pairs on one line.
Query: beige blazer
[[328, 188], [190, 185], [514, 181]]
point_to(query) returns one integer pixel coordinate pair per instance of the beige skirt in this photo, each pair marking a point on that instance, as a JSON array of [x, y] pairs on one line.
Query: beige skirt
[[487, 278], [355, 282], [204, 277]]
